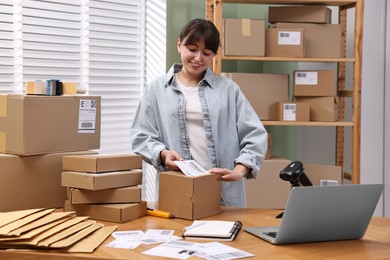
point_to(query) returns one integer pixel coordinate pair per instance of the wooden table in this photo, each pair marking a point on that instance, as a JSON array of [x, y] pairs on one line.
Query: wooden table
[[374, 245]]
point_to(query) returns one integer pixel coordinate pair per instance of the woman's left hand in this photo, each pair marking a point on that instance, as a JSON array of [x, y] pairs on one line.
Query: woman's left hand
[[229, 175]]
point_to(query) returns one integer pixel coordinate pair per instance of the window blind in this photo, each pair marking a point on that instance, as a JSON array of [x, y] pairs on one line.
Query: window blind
[[6, 46]]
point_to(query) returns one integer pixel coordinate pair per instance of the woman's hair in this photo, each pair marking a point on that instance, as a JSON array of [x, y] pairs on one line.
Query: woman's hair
[[198, 29]]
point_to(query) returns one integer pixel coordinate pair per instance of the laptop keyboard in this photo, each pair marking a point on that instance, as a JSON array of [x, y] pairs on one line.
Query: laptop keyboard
[[271, 234]]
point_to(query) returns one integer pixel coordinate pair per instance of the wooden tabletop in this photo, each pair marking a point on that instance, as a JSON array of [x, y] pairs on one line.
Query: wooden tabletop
[[374, 245]]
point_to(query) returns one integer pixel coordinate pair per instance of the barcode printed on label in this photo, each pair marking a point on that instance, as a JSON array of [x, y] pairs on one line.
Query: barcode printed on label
[[193, 165], [301, 75], [284, 34], [329, 183], [86, 125], [289, 106]]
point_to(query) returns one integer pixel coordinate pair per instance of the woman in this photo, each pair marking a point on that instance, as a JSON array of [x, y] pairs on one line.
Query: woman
[[192, 113]]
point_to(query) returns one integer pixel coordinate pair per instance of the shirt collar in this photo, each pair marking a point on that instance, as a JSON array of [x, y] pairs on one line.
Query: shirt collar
[[207, 80]]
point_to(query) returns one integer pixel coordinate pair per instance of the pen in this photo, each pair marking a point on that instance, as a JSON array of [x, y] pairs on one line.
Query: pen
[[159, 213]]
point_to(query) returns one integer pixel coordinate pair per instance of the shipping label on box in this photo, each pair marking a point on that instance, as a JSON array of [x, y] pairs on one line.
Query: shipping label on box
[[119, 195], [284, 42], [315, 83], [263, 91], [102, 162], [119, 213], [292, 111], [31, 125], [190, 197], [101, 181], [249, 31]]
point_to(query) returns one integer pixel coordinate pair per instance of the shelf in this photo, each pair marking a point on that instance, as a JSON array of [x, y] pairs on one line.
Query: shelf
[[292, 2], [287, 123], [288, 59]]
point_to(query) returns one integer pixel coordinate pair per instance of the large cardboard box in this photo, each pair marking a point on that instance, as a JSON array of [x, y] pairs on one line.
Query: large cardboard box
[[251, 32], [322, 109], [321, 40], [294, 111], [31, 125], [101, 181], [28, 182], [270, 191], [315, 83], [190, 197], [102, 162], [285, 42], [263, 91], [119, 195], [118, 213], [300, 14]]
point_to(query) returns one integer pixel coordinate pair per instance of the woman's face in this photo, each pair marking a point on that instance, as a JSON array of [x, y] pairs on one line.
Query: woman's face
[[195, 57]]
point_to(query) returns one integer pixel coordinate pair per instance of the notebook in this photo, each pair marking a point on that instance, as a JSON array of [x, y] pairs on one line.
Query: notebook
[[213, 229], [324, 213]]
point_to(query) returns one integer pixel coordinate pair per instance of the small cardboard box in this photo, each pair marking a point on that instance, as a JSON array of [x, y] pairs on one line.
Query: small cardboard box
[[31, 125], [263, 91], [294, 111], [248, 31], [119, 195], [300, 14], [28, 182], [322, 109], [101, 181], [102, 163], [315, 83], [118, 213], [270, 191], [285, 42], [321, 40], [190, 197]]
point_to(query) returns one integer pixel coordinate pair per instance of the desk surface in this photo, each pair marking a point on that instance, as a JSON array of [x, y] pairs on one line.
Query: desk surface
[[374, 245]]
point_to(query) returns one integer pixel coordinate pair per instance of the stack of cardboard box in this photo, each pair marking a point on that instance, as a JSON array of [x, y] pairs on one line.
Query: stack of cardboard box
[[104, 187], [35, 132]]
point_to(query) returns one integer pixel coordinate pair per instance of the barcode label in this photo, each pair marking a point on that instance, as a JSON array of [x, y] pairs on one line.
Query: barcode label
[[301, 75], [329, 183], [306, 78], [289, 112], [289, 38], [87, 116]]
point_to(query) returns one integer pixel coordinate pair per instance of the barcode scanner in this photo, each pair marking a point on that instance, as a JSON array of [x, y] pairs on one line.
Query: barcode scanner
[[295, 175]]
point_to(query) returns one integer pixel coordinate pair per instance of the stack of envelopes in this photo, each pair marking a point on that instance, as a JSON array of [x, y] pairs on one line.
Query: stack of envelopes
[[47, 229]]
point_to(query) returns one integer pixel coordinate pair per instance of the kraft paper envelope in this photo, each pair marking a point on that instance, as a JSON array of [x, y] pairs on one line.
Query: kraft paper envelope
[[90, 243], [40, 222], [70, 240], [8, 217], [65, 233], [4, 230]]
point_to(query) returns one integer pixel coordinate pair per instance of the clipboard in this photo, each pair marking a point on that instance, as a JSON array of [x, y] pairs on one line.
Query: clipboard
[[213, 230]]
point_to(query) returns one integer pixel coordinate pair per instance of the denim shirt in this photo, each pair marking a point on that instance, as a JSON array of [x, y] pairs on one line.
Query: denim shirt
[[234, 133]]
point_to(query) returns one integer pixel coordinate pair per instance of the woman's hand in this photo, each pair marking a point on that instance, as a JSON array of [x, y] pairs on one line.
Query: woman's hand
[[238, 172], [168, 157]]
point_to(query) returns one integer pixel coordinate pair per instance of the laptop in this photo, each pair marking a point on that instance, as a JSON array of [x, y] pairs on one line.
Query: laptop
[[323, 213]]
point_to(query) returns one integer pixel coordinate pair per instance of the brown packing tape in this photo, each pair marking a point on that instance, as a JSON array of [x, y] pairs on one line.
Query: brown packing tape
[[246, 27]]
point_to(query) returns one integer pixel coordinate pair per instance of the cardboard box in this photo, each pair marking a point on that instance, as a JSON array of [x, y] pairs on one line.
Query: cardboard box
[[315, 83], [321, 40], [102, 163], [300, 14], [28, 182], [31, 125], [101, 181], [190, 197], [270, 191], [285, 42], [118, 213], [263, 91], [322, 109], [248, 31], [119, 195], [294, 111]]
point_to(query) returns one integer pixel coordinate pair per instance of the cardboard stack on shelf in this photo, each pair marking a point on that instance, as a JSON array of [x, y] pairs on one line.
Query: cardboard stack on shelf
[[35, 132], [104, 187]]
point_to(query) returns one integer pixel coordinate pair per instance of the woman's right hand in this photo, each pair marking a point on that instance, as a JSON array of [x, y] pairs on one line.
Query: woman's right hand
[[168, 157]]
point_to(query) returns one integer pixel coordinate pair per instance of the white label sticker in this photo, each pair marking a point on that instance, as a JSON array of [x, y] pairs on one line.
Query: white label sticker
[[87, 116], [289, 112], [289, 38], [306, 78]]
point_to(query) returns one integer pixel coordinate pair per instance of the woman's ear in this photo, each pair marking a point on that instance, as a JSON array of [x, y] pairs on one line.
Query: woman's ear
[[178, 45]]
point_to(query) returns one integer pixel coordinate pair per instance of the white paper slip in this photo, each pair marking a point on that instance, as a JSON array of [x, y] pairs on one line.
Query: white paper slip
[[190, 167]]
